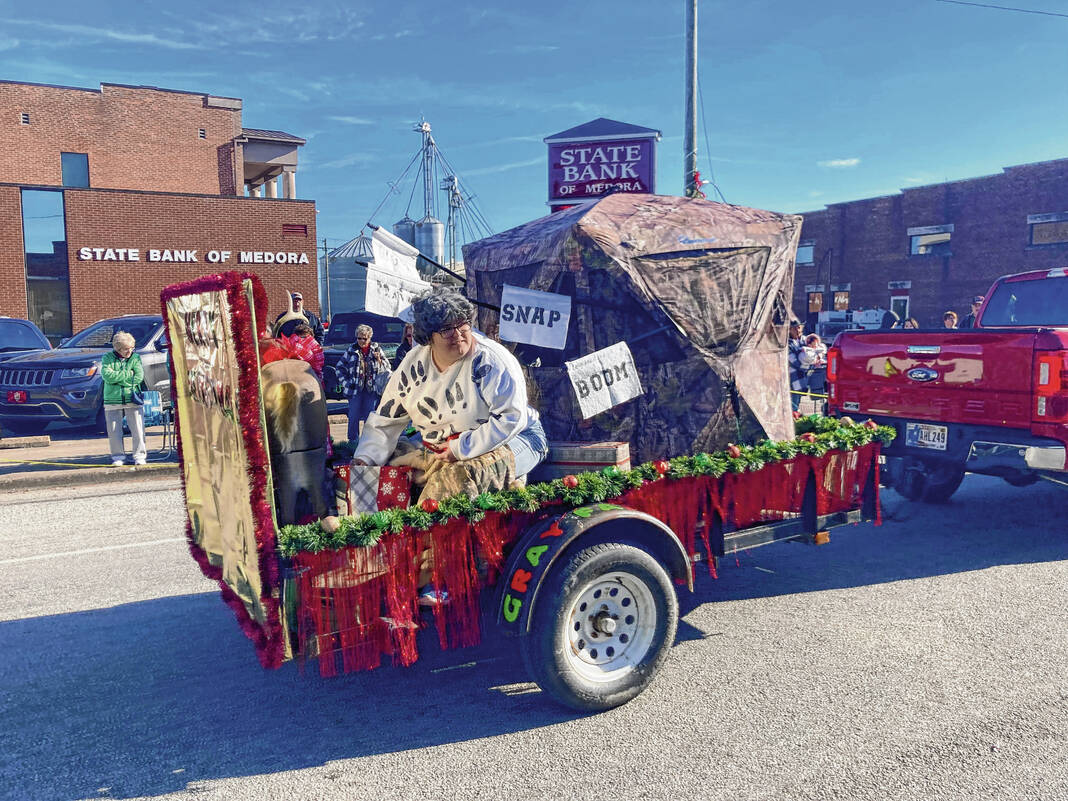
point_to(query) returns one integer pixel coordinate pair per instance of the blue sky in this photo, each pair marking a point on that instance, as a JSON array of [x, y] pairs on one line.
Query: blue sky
[[804, 103]]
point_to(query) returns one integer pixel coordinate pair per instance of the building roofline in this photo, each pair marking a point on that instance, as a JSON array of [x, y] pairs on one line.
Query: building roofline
[[120, 86], [903, 190], [52, 188]]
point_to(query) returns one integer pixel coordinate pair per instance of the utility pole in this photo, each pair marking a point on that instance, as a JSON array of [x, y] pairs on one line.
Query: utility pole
[[689, 145], [326, 277]]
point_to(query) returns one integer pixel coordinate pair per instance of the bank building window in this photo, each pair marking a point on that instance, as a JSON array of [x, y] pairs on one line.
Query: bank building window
[[25, 118], [202, 133], [930, 240], [75, 169]]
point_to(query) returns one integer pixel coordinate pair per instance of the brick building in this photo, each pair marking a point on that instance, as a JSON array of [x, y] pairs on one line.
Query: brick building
[[932, 248], [107, 196]]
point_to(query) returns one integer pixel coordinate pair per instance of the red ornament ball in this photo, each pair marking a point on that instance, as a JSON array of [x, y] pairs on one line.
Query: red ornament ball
[[662, 467], [733, 450], [871, 424], [570, 481], [797, 415], [429, 505], [808, 437]]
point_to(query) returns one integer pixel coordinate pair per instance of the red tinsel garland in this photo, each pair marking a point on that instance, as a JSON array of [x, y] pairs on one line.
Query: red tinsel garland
[[268, 637], [689, 506]]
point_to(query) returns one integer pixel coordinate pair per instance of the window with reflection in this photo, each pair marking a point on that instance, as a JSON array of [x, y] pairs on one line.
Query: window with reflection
[[44, 237], [75, 169]]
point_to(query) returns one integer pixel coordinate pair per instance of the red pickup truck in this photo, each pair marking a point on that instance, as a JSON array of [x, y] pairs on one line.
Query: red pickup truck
[[991, 399]]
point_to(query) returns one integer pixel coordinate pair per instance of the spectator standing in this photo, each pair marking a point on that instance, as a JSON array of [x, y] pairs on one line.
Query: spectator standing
[[288, 320], [123, 373], [363, 372], [814, 360], [407, 343], [949, 319], [911, 322], [969, 318], [795, 350]]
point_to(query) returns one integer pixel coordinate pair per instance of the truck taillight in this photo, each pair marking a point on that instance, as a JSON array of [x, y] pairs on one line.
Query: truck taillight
[[834, 358], [1051, 386]]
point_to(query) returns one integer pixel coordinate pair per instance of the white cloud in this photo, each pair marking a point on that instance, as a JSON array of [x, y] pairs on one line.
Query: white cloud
[[7, 43], [839, 164], [352, 120], [515, 165], [88, 33], [351, 160]]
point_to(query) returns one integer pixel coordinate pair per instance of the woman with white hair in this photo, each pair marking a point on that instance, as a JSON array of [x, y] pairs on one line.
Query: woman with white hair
[[123, 374], [359, 371], [467, 397]]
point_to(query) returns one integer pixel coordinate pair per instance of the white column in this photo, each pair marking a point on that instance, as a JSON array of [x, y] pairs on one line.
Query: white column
[[254, 191], [271, 185], [289, 184]]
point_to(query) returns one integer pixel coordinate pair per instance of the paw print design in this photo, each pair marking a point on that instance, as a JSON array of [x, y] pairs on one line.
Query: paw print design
[[428, 407], [393, 408], [454, 396], [411, 380], [480, 369]]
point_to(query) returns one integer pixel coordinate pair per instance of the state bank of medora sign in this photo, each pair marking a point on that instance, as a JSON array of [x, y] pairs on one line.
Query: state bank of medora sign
[[599, 158], [583, 170]]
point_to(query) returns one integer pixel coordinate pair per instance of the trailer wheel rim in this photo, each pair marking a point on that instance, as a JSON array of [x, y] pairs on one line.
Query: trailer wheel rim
[[611, 626]]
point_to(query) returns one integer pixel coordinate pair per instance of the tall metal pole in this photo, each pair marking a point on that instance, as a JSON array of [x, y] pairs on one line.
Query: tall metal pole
[[689, 146], [326, 276]]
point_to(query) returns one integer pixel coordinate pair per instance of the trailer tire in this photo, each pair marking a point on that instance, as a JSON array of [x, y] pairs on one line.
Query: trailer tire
[[918, 480], [603, 626]]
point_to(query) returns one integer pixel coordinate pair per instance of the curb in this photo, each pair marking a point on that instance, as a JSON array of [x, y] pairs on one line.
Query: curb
[[7, 443], [78, 477]]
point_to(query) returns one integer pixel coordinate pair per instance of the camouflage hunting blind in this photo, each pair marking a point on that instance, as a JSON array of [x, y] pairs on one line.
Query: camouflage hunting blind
[[699, 291]]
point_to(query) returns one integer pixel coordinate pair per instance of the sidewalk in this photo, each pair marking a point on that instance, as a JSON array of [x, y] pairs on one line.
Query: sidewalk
[[66, 456]]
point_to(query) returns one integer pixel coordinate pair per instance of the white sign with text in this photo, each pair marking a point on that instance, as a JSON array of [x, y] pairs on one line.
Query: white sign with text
[[533, 317], [604, 379]]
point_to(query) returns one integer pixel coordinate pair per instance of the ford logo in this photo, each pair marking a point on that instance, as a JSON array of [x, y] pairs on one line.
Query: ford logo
[[923, 374]]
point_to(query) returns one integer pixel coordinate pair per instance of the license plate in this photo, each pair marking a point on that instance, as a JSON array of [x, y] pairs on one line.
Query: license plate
[[924, 435], [17, 396]]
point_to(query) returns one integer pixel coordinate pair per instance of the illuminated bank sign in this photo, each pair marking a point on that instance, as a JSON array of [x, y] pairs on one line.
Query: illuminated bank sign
[[599, 158]]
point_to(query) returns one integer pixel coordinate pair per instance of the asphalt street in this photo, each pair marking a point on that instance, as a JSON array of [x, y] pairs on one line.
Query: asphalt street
[[923, 659]]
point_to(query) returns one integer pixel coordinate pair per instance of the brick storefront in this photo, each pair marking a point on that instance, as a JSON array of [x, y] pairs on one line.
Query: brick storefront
[[153, 169], [865, 245]]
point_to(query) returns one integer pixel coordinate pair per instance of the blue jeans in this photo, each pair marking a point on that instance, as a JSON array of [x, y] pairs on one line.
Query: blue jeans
[[529, 447], [360, 405]]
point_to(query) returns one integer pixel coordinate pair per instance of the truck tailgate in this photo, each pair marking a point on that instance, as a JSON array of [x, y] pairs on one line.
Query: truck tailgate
[[974, 376]]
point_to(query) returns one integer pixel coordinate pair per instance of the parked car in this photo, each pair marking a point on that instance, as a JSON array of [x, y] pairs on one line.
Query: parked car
[[342, 333], [64, 383], [18, 337]]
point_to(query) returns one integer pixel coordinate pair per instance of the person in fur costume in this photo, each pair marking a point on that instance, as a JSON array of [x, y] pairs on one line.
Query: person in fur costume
[[295, 411]]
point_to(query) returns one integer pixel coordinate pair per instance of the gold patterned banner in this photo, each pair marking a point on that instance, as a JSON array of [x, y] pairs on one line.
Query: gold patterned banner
[[214, 456]]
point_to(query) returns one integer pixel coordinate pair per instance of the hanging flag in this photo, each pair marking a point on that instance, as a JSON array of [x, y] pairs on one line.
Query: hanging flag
[[392, 280]]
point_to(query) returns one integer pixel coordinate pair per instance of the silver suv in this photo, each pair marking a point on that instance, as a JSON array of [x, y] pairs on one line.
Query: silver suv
[[64, 384]]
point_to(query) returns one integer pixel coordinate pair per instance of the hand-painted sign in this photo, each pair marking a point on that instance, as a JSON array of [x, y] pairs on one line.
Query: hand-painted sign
[[604, 379], [585, 170], [533, 317]]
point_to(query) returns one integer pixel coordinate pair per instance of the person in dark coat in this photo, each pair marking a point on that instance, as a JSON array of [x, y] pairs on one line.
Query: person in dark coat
[[969, 319], [798, 374], [288, 320], [407, 343]]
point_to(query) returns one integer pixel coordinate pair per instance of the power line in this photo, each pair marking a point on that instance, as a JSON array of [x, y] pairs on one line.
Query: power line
[[1003, 8]]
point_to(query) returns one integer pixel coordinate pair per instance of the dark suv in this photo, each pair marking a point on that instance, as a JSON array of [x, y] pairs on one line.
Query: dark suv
[[18, 337], [342, 333], [64, 384]]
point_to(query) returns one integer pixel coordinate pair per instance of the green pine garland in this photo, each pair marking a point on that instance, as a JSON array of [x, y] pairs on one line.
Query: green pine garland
[[592, 487]]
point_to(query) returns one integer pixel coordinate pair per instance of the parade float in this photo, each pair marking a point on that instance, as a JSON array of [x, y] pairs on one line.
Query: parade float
[[580, 570]]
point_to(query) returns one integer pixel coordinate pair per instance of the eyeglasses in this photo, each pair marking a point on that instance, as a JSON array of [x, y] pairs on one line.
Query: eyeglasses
[[455, 330]]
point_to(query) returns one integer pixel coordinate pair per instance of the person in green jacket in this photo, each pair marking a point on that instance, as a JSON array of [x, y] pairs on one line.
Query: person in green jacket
[[123, 374]]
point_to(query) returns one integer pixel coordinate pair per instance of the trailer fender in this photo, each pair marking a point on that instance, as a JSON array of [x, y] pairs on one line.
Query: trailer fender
[[543, 545]]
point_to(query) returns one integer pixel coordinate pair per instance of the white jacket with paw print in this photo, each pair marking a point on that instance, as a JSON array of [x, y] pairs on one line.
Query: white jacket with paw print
[[482, 397]]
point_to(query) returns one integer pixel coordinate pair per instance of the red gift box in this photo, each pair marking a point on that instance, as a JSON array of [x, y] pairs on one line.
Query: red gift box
[[370, 488]]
